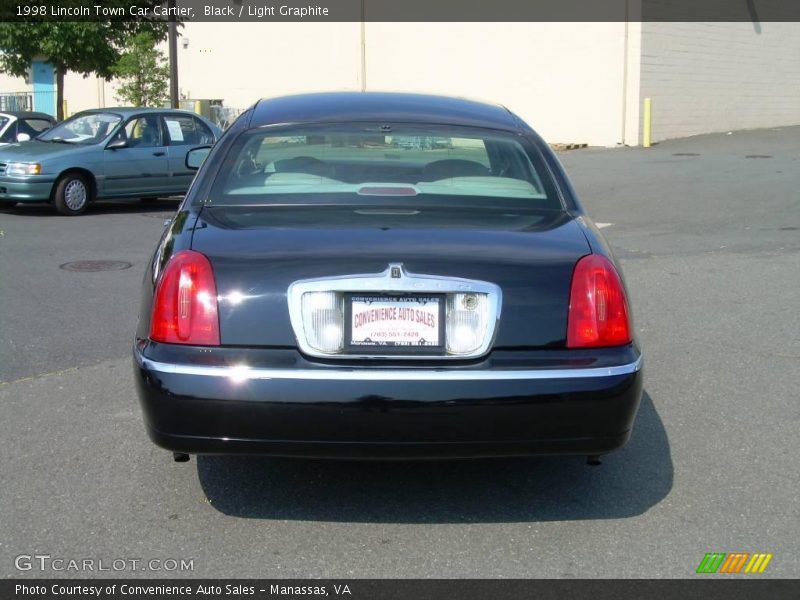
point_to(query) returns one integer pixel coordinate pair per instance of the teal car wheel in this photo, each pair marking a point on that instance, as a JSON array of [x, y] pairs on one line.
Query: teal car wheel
[[72, 194]]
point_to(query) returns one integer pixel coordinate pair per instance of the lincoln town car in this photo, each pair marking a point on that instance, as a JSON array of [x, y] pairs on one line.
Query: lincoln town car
[[383, 276]]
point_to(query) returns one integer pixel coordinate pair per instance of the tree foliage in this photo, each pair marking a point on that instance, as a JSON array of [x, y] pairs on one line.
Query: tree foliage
[[86, 47], [143, 72]]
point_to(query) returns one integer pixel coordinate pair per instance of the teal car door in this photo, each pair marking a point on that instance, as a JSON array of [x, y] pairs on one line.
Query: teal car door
[[135, 160], [183, 132]]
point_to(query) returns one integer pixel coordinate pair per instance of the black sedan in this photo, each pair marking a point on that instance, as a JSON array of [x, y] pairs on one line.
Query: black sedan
[[370, 275]]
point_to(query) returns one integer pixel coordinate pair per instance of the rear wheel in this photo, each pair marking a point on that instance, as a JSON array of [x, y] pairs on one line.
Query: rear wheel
[[72, 195]]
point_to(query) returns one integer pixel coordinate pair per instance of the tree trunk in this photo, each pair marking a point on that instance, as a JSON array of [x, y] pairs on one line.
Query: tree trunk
[[60, 71]]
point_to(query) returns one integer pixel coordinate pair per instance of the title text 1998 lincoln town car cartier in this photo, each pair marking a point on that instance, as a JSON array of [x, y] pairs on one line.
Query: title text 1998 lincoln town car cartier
[[369, 275]]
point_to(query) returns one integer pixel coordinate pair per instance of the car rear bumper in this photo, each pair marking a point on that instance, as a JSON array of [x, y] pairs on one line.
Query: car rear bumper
[[375, 412]]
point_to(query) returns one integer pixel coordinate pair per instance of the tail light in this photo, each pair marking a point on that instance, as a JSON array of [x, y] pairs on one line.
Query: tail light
[[598, 309], [185, 302]]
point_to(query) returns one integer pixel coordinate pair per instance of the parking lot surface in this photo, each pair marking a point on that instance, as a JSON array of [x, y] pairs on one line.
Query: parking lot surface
[[708, 233]]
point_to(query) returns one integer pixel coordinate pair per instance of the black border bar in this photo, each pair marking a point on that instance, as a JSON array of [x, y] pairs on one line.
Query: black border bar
[[700, 588], [265, 11]]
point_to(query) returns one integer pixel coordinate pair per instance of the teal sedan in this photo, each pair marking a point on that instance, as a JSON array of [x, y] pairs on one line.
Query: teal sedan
[[106, 153]]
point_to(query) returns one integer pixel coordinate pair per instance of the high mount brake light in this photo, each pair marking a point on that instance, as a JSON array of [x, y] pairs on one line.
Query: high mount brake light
[[598, 309], [185, 302]]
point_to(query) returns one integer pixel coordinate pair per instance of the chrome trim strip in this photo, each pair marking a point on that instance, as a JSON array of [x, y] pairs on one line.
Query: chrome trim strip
[[384, 282], [244, 373]]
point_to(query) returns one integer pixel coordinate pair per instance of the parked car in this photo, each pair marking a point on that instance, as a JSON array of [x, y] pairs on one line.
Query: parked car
[[21, 126], [104, 153], [316, 298]]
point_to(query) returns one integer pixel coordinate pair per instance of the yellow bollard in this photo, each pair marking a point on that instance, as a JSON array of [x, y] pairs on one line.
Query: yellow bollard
[[647, 125]]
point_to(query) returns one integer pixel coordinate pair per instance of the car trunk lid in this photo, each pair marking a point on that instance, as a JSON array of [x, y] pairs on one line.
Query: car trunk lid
[[257, 252]]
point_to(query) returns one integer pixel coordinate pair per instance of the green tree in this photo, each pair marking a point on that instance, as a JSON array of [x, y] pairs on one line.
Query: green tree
[[143, 72], [84, 47]]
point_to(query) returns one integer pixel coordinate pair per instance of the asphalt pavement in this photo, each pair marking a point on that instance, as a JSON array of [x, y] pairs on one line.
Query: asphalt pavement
[[708, 233]]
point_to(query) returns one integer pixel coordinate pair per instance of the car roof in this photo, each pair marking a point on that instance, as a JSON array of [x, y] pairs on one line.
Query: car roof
[[26, 114], [381, 107]]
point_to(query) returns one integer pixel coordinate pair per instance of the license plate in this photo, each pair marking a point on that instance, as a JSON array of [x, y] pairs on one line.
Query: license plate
[[409, 321]]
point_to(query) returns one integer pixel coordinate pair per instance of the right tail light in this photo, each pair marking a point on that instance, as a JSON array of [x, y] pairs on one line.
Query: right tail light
[[598, 309]]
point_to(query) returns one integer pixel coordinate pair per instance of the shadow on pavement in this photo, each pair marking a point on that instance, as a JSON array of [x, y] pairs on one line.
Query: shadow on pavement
[[628, 483], [167, 206]]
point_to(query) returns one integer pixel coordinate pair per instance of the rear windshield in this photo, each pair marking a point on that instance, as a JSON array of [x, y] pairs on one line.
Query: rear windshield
[[36, 125], [400, 162]]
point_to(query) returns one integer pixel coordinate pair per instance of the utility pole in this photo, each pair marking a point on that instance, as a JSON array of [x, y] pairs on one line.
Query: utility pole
[[363, 46], [173, 56]]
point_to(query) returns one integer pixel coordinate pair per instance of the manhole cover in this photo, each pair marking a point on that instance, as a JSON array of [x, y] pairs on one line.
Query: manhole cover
[[86, 266], [685, 154], [759, 156]]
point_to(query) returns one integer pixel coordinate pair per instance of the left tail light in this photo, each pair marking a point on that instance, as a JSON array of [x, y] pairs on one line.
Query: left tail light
[[185, 302]]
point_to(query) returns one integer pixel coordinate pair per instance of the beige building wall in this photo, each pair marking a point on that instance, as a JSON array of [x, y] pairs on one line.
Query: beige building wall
[[706, 77], [10, 84], [82, 93], [242, 62], [631, 99], [565, 79], [573, 82]]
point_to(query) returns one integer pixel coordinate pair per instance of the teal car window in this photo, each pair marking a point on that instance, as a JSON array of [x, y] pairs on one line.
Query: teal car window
[[187, 131], [143, 132]]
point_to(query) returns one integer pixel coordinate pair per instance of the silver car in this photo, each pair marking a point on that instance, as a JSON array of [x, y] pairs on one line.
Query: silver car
[[21, 126], [108, 153]]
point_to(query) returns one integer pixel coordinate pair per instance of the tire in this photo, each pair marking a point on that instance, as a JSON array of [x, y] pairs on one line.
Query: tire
[[7, 204], [72, 194]]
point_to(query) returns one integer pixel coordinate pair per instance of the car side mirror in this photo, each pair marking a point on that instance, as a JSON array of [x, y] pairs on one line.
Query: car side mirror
[[196, 156], [23, 137], [117, 144]]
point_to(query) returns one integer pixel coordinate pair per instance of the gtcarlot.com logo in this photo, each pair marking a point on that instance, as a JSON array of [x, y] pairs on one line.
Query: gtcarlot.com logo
[[734, 562], [46, 562]]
